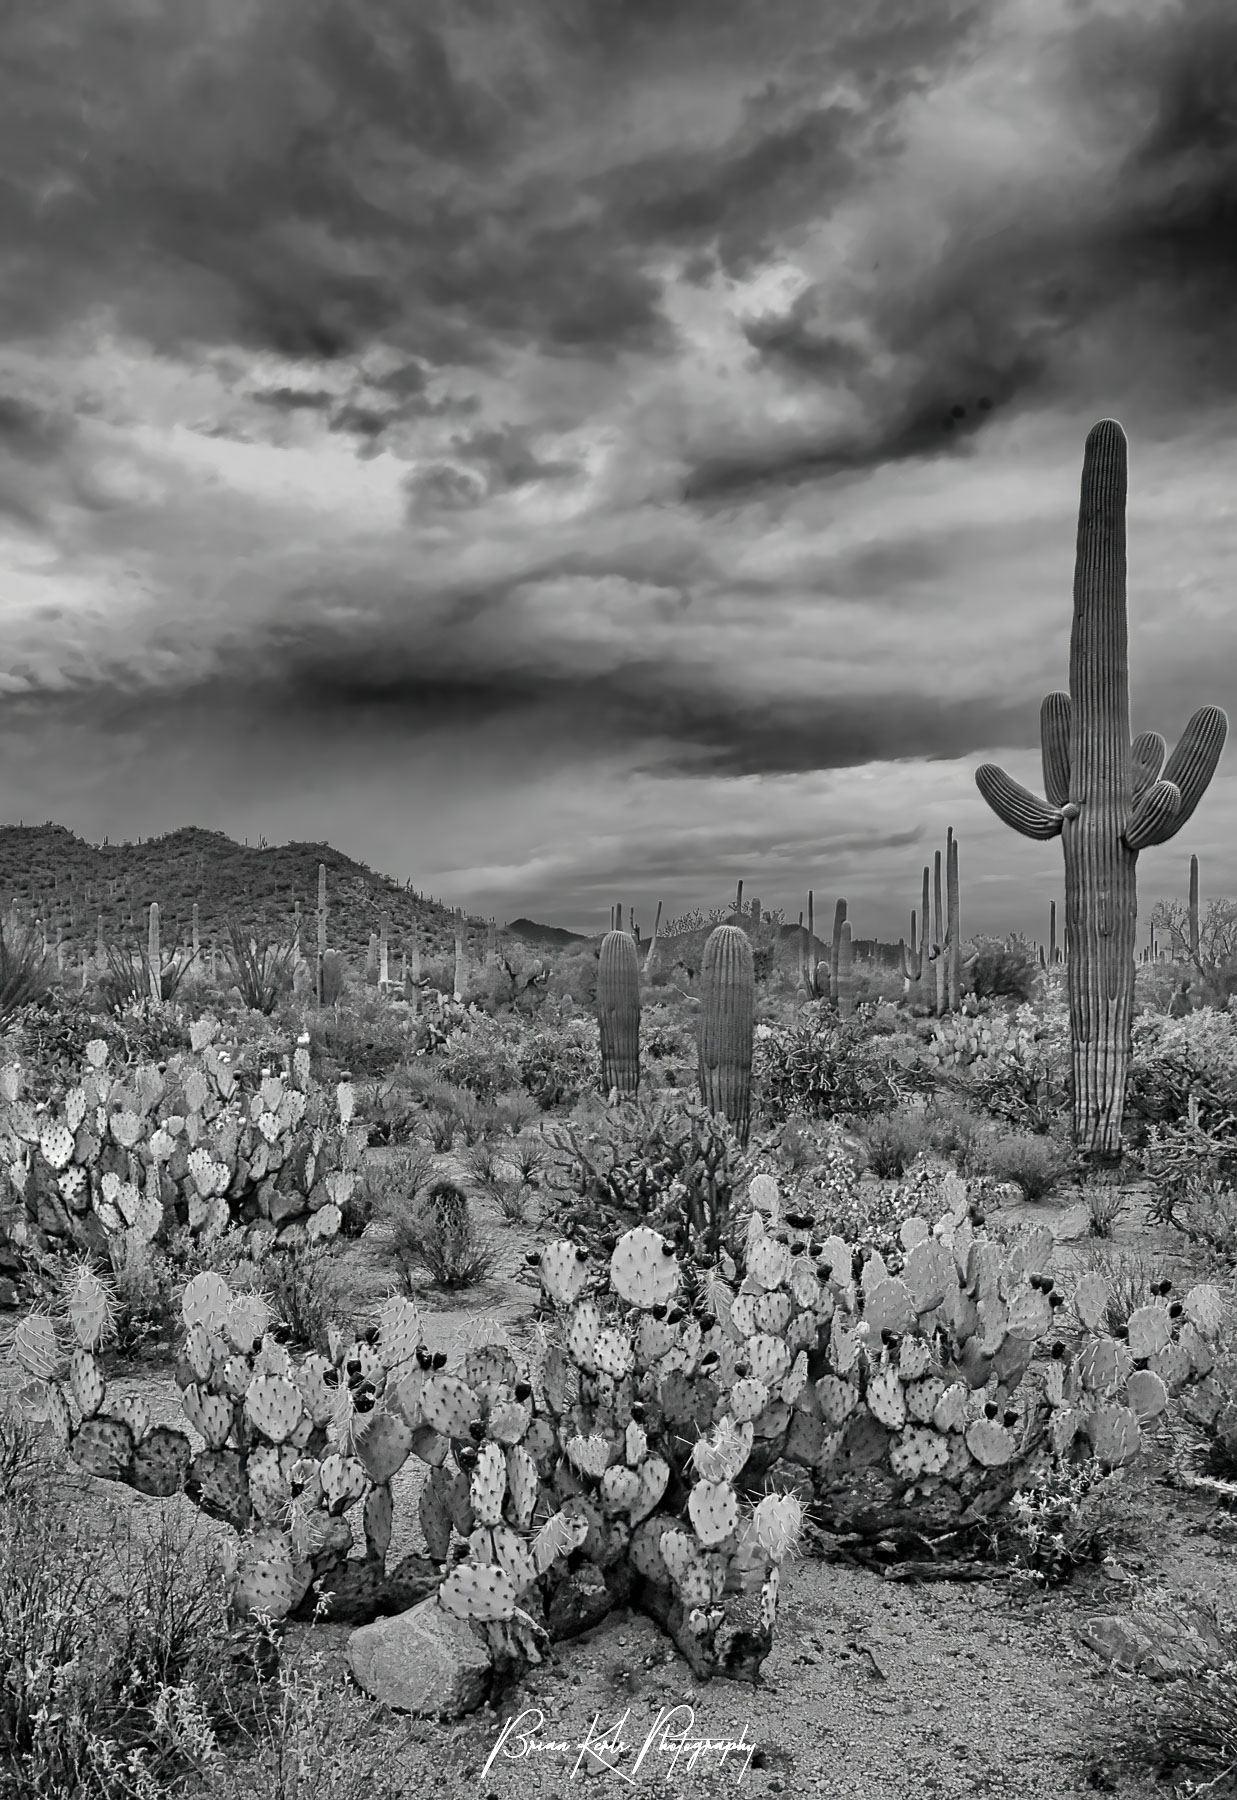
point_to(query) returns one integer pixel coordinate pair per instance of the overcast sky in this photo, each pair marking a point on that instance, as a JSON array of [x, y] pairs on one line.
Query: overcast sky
[[565, 451]]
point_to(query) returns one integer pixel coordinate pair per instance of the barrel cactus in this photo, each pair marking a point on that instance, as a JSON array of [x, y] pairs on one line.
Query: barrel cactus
[[1107, 797], [727, 1026], [618, 1013]]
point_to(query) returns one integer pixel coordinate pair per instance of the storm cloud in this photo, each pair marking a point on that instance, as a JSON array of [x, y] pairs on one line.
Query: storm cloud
[[547, 448]]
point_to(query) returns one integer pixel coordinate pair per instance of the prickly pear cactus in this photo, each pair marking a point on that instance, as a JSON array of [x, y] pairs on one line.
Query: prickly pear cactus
[[128, 1153]]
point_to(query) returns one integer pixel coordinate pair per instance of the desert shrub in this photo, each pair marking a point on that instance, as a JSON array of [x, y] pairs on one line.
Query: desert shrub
[[129, 977], [480, 1058], [1133, 1279], [953, 1128], [1182, 1067], [1035, 1165], [1105, 1204], [824, 1067], [439, 1236], [27, 975], [892, 1141], [1015, 1067], [390, 1187], [304, 1286], [503, 1176], [576, 976], [557, 1064], [113, 1646], [1184, 1730], [391, 1110], [260, 969], [369, 1041], [1075, 1517], [49, 1038], [996, 970]]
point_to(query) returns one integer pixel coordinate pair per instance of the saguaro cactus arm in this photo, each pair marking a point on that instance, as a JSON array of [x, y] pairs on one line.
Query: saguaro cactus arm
[[1054, 728], [1187, 772], [1016, 805]]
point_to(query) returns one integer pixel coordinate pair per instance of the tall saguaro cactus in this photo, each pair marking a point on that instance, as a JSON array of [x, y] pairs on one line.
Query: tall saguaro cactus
[[618, 1013], [727, 1025], [1107, 797]]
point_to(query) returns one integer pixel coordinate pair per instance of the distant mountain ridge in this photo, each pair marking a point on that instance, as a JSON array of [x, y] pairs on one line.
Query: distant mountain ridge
[[69, 884]]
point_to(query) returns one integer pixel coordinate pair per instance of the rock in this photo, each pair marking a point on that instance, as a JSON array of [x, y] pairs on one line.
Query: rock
[[1115, 1640], [1172, 1642], [423, 1661]]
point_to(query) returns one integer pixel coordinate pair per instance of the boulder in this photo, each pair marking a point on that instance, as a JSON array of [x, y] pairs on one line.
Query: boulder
[[424, 1661]]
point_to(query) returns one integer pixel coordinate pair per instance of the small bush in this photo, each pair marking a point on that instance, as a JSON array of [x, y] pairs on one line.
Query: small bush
[[1073, 1519], [304, 1288], [557, 1066], [892, 1141], [1034, 1164], [1131, 1277], [1000, 971], [389, 1188], [439, 1236], [479, 1059], [1105, 1205]]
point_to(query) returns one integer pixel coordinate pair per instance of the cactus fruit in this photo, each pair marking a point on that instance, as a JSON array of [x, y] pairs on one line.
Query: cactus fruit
[[727, 1026], [618, 1014]]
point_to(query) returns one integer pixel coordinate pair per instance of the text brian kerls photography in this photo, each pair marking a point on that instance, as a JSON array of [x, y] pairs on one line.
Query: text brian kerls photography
[[668, 1748]]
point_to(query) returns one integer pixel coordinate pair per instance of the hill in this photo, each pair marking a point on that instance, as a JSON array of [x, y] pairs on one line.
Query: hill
[[69, 885], [550, 937]]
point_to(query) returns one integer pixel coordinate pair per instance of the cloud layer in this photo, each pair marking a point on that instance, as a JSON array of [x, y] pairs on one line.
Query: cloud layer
[[571, 453]]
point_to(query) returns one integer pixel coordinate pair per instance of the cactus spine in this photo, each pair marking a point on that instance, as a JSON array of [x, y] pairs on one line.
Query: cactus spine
[[1106, 797], [727, 1026], [618, 1014]]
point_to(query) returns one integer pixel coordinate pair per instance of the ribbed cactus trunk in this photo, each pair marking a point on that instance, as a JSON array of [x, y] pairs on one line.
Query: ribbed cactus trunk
[[618, 1014], [835, 950], [1105, 798], [954, 931], [457, 992], [648, 961], [811, 944], [154, 963], [846, 973], [320, 981], [414, 974], [384, 953], [938, 933], [1052, 933], [1101, 898], [197, 942], [1196, 954], [727, 1026]]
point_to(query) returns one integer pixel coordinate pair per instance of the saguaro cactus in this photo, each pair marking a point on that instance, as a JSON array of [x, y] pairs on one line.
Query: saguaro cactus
[[835, 949], [1106, 797], [727, 1025], [154, 959], [320, 982], [1196, 954], [953, 934], [618, 1013]]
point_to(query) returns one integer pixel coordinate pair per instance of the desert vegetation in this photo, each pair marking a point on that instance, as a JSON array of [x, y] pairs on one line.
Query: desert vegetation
[[395, 1306]]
